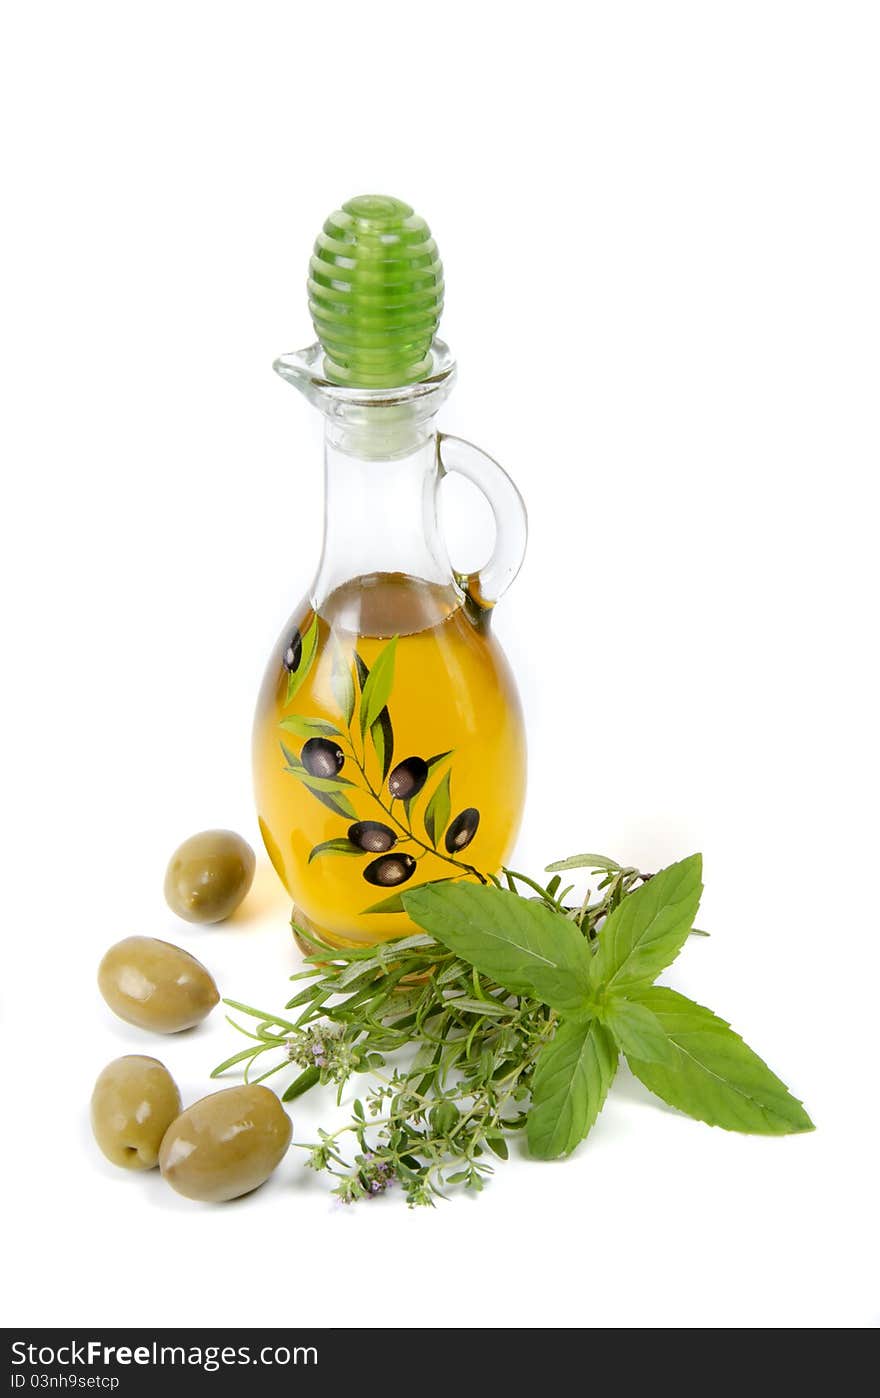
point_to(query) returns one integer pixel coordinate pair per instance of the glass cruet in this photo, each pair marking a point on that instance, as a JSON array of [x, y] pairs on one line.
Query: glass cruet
[[388, 743]]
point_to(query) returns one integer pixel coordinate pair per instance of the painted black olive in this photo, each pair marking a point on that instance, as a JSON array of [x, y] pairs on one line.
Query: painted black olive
[[372, 835], [408, 778], [463, 829], [293, 653], [391, 869], [321, 757]]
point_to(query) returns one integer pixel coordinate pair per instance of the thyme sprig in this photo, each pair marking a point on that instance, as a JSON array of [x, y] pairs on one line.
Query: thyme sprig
[[449, 1052]]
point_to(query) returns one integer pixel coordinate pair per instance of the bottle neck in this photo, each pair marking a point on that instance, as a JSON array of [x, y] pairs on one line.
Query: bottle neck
[[380, 523]]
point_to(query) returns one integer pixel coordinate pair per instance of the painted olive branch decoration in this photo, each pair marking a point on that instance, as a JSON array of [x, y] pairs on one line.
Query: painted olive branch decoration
[[362, 696]]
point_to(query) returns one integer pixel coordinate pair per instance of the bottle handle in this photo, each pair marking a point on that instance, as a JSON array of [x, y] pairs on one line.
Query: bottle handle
[[490, 583]]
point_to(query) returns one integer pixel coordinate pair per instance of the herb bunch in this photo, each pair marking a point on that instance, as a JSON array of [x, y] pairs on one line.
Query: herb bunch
[[508, 1012]]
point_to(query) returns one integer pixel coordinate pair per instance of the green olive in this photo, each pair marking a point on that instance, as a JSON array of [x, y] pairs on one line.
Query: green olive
[[156, 985], [209, 875], [226, 1144], [134, 1102]]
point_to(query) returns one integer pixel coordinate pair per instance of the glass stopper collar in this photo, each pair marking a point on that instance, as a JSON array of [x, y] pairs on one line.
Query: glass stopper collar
[[375, 293]]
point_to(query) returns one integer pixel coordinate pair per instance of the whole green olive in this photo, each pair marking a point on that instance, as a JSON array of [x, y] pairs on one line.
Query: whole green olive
[[134, 1102], [226, 1144], [209, 875], [156, 985]]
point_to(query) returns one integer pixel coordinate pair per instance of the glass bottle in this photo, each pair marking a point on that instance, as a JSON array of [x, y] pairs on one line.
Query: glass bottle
[[389, 748]]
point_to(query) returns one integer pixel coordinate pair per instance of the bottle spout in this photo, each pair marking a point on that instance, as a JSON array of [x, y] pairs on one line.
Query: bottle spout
[[374, 410], [305, 370]]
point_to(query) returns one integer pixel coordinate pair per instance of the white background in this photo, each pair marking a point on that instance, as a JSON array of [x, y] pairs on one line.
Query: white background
[[660, 226]]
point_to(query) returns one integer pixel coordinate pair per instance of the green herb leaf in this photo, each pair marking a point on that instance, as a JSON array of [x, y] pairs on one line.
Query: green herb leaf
[[648, 929], [572, 1077], [239, 1057], [307, 1078], [341, 846], [637, 1030], [307, 658], [305, 727], [438, 810], [582, 861], [713, 1076], [526, 947], [382, 737], [342, 683], [378, 685]]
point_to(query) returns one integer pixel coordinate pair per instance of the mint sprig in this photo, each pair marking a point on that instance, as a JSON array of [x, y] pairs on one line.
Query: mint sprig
[[603, 989]]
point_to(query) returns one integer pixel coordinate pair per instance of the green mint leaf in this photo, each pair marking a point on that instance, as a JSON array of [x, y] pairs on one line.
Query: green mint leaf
[[382, 737], [341, 846], [583, 861], [525, 946], [637, 1030], [378, 685], [572, 1077], [342, 683], [305, 727], [648, 929], [306, 660], [713, 1076], [438, 810]]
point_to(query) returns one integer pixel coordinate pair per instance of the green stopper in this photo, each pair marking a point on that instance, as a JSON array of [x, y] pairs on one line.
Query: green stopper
[[375, 293]]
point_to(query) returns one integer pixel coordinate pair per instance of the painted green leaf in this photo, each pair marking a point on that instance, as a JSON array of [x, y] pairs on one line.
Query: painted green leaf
[[525, 946], [378, 685], [648, 929], [583, 861], [305, 727], [335, 801], [296, 769], [572, 1077], [290, 757], [361, 670], [341, 846], [435, 761], [307, 659], [342, 684], [712, 1075], [437, 811], [382, 737], [394, 904], [637, 1030]]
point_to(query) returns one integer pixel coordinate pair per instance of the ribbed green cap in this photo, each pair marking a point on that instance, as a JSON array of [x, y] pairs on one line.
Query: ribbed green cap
[[375, 293]]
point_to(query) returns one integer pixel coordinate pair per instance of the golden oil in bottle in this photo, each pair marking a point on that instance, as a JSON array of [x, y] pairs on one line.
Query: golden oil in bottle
[[388, 752]]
